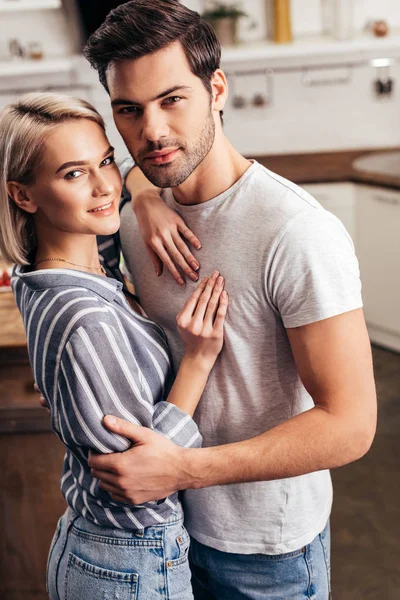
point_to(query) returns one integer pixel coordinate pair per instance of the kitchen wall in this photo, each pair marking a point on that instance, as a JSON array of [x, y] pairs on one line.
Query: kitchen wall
[[309, 21], [58, 38]]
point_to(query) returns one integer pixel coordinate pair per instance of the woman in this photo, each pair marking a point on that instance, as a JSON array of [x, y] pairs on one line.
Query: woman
[[93, 354]]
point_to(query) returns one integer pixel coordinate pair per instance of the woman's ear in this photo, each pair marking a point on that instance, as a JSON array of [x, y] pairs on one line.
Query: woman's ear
[[219, 86], [19, 193]]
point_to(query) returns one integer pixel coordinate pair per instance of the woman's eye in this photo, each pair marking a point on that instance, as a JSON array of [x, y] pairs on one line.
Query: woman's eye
[[73, 175], [108, 161]]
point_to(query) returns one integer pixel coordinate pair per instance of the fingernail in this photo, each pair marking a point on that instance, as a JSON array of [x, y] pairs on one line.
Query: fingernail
[[180, 281], [198, 246], [215, 274], [193, 276], [224, 294], [220, 280], [195, 266], [111, 420]]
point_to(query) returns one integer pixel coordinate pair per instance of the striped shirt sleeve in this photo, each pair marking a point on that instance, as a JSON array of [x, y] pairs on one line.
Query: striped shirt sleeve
[[99, 375]]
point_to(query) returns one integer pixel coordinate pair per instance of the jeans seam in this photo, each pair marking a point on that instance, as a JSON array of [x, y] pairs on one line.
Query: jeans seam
[[308, 561], [326, 564], [69, 525]]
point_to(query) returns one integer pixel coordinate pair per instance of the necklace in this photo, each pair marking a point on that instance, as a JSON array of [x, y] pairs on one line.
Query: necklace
[[100, 268]]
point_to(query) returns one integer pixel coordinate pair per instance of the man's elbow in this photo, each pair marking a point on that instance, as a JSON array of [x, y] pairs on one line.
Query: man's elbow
[[361, 438]]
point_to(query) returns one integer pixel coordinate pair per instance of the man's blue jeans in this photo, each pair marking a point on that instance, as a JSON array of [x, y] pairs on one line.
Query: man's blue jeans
[[303, 574]]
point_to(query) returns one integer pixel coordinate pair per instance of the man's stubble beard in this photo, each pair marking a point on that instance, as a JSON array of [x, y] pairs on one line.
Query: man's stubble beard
[[171, 175]]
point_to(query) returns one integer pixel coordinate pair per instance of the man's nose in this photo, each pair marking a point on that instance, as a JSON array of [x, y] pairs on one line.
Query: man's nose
[[155, 126]]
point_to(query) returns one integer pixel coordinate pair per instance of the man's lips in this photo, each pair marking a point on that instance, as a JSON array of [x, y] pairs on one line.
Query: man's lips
[[162, 156]]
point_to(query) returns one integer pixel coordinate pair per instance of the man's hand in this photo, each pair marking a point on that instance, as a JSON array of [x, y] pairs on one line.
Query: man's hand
[[151, 470]]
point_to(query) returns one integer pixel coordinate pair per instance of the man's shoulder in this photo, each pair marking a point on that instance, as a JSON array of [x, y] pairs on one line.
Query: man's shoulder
[[276, 192]]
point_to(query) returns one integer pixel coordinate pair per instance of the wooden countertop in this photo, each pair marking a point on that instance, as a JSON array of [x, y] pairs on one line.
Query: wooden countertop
[[328, 167], [12, 334]]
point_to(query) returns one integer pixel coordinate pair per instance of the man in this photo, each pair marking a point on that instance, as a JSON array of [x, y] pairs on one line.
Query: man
[[292, 394]]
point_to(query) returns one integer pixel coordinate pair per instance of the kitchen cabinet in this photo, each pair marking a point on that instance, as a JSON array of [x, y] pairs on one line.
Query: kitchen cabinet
[[339, 199], [378, 250]]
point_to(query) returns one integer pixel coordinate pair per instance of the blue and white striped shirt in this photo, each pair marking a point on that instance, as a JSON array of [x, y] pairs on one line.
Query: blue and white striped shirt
[[92, 355]]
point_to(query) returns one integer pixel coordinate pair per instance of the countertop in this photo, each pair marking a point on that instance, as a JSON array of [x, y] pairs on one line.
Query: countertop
[[330, 167]]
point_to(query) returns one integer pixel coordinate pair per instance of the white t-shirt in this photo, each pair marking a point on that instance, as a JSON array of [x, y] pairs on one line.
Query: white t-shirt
[[287, 262]]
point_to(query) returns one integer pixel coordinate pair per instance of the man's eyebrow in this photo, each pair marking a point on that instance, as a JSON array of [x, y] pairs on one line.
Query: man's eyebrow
[[81, 163], [175, 88]]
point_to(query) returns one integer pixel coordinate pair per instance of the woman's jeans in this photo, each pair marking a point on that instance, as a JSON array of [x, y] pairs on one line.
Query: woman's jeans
[[89, 562], [300, 575]]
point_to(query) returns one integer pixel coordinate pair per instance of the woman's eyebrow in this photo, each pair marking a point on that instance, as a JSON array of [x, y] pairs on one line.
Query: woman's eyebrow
[[81, 163]]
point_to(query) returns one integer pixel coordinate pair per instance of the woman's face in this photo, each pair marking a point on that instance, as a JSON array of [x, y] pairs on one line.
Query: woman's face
[[77, 185]]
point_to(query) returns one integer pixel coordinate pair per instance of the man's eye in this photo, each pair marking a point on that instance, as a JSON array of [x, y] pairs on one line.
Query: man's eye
[[172, 99], [108, 161], [73, 175], [129, 110]]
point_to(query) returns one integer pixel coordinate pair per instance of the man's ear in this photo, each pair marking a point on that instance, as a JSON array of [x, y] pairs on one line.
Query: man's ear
[[219, 87], [19, 193]]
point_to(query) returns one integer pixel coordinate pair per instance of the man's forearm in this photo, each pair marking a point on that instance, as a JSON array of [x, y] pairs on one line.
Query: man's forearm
[[312, 441]]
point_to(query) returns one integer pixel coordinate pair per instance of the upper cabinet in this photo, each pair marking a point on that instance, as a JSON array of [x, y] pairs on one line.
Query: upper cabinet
[[26, 5]]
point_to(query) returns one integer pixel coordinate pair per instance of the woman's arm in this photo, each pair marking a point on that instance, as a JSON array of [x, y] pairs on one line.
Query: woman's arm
[[162, 229], [100, 374], [201, 326]]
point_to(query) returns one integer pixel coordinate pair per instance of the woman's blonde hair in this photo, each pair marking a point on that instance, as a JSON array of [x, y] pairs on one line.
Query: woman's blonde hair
[[23, 129]]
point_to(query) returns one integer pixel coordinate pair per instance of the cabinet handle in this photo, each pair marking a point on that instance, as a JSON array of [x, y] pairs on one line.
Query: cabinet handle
[[386, 199]]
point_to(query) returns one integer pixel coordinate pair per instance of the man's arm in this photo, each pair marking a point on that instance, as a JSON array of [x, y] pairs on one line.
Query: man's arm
[[333, 358]]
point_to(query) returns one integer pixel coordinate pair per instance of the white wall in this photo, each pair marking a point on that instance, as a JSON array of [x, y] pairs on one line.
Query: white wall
[[307, 15]]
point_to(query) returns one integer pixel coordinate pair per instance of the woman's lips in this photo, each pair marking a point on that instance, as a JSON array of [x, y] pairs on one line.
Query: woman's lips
[[161, 159], [103, 211]]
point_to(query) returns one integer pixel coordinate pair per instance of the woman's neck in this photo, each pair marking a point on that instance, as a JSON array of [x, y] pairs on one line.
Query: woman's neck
[[79, 251]]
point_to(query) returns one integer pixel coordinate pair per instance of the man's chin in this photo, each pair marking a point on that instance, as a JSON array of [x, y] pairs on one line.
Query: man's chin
[[165, 176]]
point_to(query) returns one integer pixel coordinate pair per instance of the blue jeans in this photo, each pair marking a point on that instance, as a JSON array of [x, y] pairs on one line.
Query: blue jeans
[[89, 562], [303, 574]]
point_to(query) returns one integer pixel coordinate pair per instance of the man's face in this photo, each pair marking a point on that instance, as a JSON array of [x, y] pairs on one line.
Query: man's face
[[163, 112]]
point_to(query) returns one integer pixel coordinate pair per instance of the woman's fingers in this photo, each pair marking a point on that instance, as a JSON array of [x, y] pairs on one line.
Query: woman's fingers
[[168, 263], [188, 234], [184, 250], [167, 251], [203, 301], [175, 253], [213, 302], [221, 313], [155, 259], [190, 305]]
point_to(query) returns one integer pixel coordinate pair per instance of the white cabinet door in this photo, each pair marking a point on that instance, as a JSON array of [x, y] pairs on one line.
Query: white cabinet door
[[378, 249], [339, 199]]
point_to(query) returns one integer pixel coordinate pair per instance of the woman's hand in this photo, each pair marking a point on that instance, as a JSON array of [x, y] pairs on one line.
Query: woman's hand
[[163, 230], [201, 321]]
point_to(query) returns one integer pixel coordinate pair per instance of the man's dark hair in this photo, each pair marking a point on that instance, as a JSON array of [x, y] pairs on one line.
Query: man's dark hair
[[141, 27]]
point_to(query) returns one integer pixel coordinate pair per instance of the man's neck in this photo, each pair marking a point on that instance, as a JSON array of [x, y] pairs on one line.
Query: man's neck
[[221, 168]]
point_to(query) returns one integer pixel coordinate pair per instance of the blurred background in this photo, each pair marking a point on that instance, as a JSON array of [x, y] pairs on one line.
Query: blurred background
[[314, 96]]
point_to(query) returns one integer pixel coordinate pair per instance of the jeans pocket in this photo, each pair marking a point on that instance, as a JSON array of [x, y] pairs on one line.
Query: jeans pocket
[[181, 550], [177, 567], [90, 582], [51, 550]]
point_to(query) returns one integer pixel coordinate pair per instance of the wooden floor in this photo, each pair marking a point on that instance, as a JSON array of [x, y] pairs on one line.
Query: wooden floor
[[365, 519]]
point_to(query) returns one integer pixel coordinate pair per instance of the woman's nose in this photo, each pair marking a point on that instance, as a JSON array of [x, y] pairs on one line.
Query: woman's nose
[[102, 186]]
